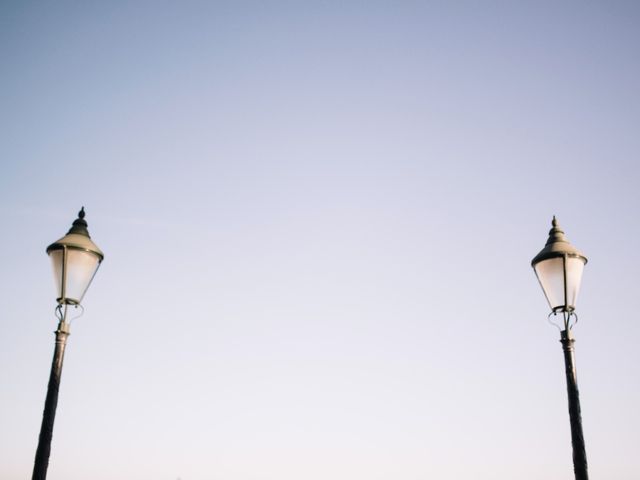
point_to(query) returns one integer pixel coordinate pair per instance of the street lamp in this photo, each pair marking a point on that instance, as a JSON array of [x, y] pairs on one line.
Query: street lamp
[[75, 260], [559, 267]]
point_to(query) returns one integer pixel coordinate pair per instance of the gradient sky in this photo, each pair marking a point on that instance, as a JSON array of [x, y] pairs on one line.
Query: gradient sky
[[318, 220]]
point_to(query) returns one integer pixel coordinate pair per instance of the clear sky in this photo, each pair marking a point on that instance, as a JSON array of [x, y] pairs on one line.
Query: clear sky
[[318, 220]]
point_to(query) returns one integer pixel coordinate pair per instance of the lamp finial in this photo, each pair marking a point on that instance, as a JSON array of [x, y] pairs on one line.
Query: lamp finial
[[80, 225], [556, 234]]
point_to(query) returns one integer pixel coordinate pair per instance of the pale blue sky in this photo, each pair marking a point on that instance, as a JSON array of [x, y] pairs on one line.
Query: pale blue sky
[[318, 220]]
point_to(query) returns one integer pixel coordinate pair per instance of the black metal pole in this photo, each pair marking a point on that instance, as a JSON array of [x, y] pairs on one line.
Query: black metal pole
[[577, 438], [49, 414]]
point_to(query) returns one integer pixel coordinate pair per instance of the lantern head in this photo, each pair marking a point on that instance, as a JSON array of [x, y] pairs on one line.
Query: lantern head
[[75, 260]]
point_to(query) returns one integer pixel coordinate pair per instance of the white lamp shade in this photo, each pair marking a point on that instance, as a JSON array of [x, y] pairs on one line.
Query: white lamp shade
[[73, 271], [560, 279]]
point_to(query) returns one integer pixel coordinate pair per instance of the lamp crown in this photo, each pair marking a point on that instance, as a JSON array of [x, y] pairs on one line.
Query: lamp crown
[[77, 237], [80, 225], [557, 245]]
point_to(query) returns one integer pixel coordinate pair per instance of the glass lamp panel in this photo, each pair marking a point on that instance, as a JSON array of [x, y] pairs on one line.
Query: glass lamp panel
[[57, 258], [550, 274], [575, 267], [80, 269]]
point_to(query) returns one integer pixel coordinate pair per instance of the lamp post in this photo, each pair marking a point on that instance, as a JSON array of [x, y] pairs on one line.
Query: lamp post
[[75, 260], [559, 267]]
